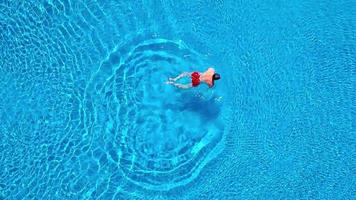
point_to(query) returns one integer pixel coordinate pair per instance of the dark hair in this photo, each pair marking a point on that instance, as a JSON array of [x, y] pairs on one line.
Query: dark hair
[[216, 76]]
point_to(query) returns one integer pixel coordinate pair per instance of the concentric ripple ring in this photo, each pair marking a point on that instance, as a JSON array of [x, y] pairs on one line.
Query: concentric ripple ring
[[161, 139]]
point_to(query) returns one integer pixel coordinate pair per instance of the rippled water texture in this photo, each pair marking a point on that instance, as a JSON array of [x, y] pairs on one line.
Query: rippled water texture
[[158, 136], [85, 112]]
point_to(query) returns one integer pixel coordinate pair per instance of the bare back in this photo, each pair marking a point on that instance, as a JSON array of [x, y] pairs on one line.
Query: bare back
[[207, 76]]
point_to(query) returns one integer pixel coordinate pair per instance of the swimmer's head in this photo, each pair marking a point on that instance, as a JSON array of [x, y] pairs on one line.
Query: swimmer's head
[[216, 76]]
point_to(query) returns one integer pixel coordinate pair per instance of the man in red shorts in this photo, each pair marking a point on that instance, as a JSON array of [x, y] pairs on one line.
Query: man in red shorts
[[208, 77]]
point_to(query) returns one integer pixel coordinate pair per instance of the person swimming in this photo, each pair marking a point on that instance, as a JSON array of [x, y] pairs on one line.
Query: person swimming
[[208, 77]]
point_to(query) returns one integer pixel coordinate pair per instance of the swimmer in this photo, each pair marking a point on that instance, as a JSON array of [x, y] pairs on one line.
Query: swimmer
[[208, 77]]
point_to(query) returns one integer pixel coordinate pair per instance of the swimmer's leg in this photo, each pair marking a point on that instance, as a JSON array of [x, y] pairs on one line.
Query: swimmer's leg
[[169, 82], [184, 74], [182, 86]]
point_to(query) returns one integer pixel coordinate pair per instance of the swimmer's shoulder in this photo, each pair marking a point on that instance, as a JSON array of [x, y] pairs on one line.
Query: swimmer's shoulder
[[211, 69]]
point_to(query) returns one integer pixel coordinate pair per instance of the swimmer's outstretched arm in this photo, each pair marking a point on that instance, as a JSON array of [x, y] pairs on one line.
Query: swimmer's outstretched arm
[[180, 76]]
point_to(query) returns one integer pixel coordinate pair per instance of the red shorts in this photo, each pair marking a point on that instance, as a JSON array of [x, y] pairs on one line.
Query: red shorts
[[195, 79]]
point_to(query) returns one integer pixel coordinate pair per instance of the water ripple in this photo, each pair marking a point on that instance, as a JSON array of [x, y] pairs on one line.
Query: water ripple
[[160, 137]]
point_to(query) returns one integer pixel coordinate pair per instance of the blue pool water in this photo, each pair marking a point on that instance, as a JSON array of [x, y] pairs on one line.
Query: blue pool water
[[85, 112]]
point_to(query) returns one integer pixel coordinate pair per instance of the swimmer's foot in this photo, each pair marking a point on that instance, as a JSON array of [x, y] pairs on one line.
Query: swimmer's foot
[[169, 82]]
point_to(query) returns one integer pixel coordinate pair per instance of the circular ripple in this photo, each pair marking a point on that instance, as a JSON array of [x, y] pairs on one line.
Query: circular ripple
[[162, 136]]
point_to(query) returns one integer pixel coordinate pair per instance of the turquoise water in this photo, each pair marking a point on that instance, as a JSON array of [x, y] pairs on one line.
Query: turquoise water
[[85, 112]]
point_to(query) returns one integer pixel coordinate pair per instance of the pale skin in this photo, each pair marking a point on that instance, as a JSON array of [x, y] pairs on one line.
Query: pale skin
[[205, 77]]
